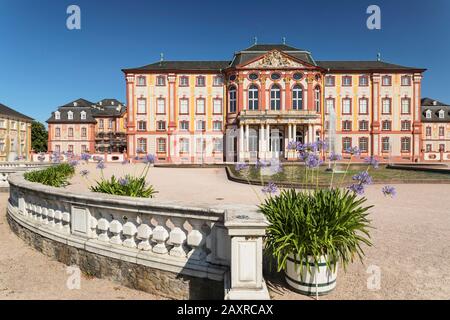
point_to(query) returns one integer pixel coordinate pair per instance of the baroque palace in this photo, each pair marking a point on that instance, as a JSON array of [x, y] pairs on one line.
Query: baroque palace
[[252, 106]]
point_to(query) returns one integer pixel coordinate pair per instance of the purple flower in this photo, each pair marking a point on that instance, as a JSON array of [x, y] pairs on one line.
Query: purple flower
[[389, 191], [123, 181], [97, 158], [84, 173], [311, 147], [56, 158], [363, 178], [260, 164], [73, 163], [322, 145], [270, 188], [357, 188], [335, 157], [139, 150], [149, 158], [85, 156], [136, 158], [101, 165], [372, 161], [240, 166], [353, 151], [313, 161], [292, 145]]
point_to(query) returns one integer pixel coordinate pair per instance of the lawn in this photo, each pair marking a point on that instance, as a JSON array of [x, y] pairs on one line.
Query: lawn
[[296, 174]]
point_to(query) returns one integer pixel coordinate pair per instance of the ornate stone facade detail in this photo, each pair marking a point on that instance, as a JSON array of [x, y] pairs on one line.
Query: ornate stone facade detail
[[274, 59]]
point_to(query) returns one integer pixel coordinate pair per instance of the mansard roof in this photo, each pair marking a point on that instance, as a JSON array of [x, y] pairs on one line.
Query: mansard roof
[[182, 65], [366, 66], [434, 106], [10, 113], [104, 108]]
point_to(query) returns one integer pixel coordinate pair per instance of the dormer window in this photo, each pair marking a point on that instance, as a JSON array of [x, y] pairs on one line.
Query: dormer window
[[428, 114], [57, 115], [441, 114], [70, 115], [83, 115]]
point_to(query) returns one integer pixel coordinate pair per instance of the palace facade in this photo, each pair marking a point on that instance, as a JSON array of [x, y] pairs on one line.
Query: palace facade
[[435, 130], [251, 107], [82, 126], [15, 135]]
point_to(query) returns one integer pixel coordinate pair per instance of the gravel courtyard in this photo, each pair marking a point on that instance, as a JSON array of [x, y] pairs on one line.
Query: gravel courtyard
[[411, 242]]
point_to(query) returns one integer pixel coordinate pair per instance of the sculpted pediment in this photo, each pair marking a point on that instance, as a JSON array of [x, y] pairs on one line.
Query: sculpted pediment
[[274, 59]]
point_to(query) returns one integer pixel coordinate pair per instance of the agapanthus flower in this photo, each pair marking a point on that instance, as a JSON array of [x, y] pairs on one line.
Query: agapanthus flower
[[322, 145], [372, 161], [357, 188], [353, 151], [85, 156], [335, 156], [73, 163], [389, 191], [149, 158], [300, 146], [271, 188], [240, 166], [139, 150], [313, 161], [123, 181], [363, 178], [56, 158], [101, 165], [98, 158], [84, 173], [311, 147], [260, 164], [292, 145]]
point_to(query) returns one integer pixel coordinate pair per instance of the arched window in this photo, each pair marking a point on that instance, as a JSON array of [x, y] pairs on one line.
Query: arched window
[[253, 97], [275, 97], [232, 99], [317, 98], [297, 97]]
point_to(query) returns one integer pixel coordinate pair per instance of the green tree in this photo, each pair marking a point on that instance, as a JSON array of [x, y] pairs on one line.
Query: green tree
[[39, 137]]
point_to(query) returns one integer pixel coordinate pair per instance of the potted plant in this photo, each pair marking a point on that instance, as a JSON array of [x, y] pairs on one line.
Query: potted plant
[[311, 233]]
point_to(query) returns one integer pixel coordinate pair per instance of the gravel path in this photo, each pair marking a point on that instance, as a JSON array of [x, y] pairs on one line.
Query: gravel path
[[411, 237]]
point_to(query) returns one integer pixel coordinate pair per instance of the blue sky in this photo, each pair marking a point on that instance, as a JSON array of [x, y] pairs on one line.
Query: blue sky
[[44, 65]]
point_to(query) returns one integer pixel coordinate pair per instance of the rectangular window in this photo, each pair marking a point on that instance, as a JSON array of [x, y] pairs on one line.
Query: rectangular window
[[363, 81], [406, 144], [200, 145], [141, 106], [363, 125], [346, 106], [346, 143], [141, 81], [428, 148], [363, 144], [200, 125], [142, 126], [200, 106], [160, 106], [232, 95], [329, 81], [406, 80], [160, 80], [346, 81], [218, 81], [217, 147], [142, 145], [184, 106], [184, 81], [83, 132], [441, 131], [329, 105], [161, 125], [100, 124], [70, 132], [346, 125], [161, 145], [386, 106], [217, 106], [428, 131], [442, 148], [386, 80], [406, 125], [184, 145], [184, 125], [83, 148], [57, 132], [110, 123], [2, 123], [385, 145], [363, 106], [406, 106], [386, 125], [200, 81], [217, 125], [57, 148], [2, 145], [70, 148]]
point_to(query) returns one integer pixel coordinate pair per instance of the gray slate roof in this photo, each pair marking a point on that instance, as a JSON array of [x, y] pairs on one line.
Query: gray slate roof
[[107, 108], [10, 113], [182, 65], [366, 66], [434, 106]]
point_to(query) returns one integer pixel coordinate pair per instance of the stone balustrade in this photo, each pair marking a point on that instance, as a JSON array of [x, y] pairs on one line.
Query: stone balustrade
[[8, 168], [222, 245]]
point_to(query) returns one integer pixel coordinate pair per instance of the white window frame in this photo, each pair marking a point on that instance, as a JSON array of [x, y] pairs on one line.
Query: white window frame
[[297, 97], [363, 106], [69, 115], [160, 106], [200, 106], [275, 98], [232, 95], [217, 106]]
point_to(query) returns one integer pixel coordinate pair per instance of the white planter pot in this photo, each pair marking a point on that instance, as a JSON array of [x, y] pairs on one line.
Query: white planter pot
[[320, 280]]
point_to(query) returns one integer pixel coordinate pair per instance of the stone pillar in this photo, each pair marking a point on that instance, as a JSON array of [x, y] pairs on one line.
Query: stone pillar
[[294, 132], [247, 136], [261, 141], [268, 155], [246, 228], [131, 148], [241, 143]]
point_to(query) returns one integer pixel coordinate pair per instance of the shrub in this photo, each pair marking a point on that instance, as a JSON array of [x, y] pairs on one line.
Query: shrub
[[129, 186], [55, 176], [330, 222]]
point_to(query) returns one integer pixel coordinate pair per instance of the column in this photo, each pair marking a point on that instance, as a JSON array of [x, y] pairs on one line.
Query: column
[[268, 141], [247, 136], [130, 116], [375, 130], [261, 141], [310, 93], [294, 132], [241, 143]]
